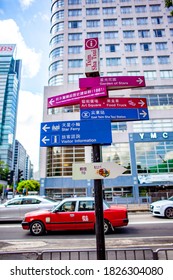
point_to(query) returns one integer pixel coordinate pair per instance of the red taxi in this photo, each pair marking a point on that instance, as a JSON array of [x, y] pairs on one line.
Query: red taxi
[[74, 214]]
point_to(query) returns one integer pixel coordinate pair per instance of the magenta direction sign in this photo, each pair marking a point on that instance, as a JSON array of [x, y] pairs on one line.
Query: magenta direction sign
[[74, 97], [113, 82], [114, 103]]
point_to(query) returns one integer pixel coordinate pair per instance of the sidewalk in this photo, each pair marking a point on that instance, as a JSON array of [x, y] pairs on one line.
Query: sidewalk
[[136, 207]]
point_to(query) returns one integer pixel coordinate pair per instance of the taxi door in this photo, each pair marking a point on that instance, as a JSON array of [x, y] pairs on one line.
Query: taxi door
[[64, 217]]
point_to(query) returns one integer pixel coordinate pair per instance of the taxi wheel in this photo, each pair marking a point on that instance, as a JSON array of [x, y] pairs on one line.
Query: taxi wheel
[[169, 213], [107, 227], [37, 228]]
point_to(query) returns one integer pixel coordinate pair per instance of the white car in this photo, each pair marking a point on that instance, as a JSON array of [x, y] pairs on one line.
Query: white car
[[162, 208], [15, 208]]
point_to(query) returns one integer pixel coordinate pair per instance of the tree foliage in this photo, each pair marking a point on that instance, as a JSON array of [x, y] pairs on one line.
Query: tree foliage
[[29, 185], [169, 4], [3, 170]]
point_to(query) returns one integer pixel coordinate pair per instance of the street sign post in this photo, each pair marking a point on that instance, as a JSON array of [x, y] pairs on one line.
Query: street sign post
[[113, 82], [74, 97], [75, 133]]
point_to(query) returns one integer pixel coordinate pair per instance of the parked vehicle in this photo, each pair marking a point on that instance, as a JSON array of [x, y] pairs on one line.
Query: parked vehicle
[[15, 209], [74, 214], [162, 208]]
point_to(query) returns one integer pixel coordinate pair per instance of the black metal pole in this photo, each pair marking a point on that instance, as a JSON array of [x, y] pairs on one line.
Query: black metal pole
[[98, 194]]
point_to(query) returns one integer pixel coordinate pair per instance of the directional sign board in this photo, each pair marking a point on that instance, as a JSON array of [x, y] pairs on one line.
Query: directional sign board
[[74, 97], [115, 109], [113, 82], [75, 133], [97, 170]]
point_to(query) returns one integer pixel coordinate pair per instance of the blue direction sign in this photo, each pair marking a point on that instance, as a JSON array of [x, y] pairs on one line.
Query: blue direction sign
[[115, 114], [75, 133]]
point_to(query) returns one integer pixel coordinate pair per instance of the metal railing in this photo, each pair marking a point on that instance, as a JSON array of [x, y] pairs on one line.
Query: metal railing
[[90, 254]]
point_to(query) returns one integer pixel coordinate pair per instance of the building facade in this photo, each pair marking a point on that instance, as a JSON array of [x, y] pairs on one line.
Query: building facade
[[136, 39], [10, 70]]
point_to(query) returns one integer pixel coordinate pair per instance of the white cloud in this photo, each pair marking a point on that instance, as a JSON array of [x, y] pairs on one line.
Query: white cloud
[[25, 3], [30, 58], [28, 126]]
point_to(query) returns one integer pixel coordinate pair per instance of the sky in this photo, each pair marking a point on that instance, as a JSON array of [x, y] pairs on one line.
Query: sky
[[26, 23]]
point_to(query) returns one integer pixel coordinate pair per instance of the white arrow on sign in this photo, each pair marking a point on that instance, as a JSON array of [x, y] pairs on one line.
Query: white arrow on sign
[[46, 127], [45, 139], [143, 113], [141, 102], [97, 170], [51, 101], [139, 80]]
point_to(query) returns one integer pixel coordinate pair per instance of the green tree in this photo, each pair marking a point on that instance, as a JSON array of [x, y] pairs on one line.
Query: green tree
[[169, 4], [3, 170], [29, 185]]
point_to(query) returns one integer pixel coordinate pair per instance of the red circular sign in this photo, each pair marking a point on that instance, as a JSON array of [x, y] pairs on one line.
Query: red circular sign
[[91, 43]]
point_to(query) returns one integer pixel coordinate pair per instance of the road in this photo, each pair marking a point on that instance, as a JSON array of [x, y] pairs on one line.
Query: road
[[143, 231]]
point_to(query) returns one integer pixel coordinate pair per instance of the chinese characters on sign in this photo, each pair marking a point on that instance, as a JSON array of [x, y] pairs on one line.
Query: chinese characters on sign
[[91, 56]]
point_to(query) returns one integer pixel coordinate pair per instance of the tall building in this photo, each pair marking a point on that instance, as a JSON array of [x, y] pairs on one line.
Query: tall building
[[10, 69], [136, 39]]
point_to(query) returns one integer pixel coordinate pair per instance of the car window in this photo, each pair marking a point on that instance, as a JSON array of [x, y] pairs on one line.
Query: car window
[[30, 201], [14, 202], [86, 206], [68, 206]]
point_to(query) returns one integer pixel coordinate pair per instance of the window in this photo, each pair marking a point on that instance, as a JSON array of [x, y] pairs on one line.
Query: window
[[57, 4], [93, 35], [166, 74], [165, 59], [92, 1], [111, 34], [159, 33], [56, 80], [155, 8], [142, 21], [74, 78], [147, 60], [57, 15], [86, 205], [74, 2], [110, 22], [127, 21], [131, 60], [133, 73], [56, 53], [74, 24], [112, 48], [75, 63], [75, 36], [113, 61], [57, 27], [170, 19], [108, 1], [140, 9], [74, 13], [130, 47], [161, 46], [126, 10], [92, 11], [144, 33], [109, 11], [150, 75], [93, 23], [145, 46], [75, 49], [57, 39], [129, 34], [56, 66], [157, 20], [60, 160], [118, 153]]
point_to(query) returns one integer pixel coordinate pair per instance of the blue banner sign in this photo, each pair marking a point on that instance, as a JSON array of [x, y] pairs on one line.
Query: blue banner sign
[[75, 133], [115, 114]]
